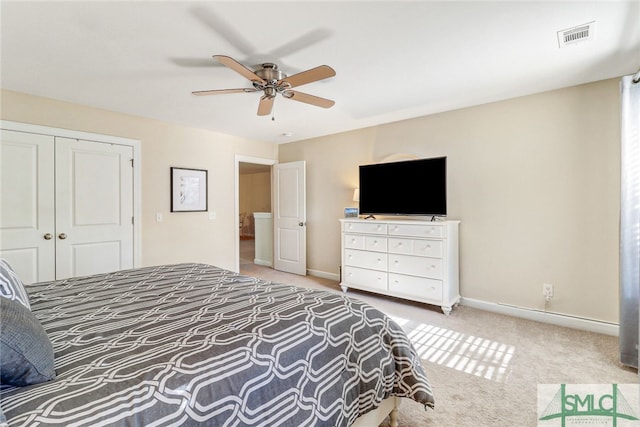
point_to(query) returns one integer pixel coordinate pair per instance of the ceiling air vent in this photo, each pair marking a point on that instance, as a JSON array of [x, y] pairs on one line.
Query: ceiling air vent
[[576, 34]]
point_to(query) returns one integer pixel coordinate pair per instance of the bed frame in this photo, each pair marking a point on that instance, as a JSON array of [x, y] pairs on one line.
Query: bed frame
[[388, 408]]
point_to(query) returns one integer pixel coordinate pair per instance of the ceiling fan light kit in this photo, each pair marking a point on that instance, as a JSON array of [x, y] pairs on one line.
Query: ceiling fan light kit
[[271, 81]]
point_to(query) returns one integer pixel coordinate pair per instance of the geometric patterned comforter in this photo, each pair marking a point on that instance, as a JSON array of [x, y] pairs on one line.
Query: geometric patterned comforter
[[193, 344]]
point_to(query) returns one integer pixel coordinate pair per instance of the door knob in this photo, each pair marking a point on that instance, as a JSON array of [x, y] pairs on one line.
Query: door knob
[[48, 236], [62, 236], [301, 224]]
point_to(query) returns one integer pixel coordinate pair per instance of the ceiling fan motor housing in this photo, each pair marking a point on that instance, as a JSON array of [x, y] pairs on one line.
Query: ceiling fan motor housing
[[270, 73]]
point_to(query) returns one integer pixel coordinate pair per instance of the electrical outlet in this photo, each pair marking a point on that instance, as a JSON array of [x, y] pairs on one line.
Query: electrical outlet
[[547, 291]]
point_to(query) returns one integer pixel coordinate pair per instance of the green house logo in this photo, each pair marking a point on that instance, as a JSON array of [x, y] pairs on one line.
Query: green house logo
[[589, 404]]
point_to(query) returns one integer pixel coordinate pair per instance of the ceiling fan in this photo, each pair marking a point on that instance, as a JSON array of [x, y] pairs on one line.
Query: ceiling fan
[[270, 80]]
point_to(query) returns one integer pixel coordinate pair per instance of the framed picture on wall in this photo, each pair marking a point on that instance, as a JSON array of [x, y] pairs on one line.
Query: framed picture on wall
[[188, 190]]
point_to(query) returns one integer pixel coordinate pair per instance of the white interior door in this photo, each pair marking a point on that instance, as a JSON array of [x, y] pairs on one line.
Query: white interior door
[[290, 217], [94, 207], [27, 204]]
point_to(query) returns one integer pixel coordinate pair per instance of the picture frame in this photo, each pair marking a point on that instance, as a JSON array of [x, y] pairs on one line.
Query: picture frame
[[351, 212], [189, 190]]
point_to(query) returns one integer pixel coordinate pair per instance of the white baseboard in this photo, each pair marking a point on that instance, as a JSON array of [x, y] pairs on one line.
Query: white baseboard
[[263, 262], [324, 275], [564, 320], [567, 321]]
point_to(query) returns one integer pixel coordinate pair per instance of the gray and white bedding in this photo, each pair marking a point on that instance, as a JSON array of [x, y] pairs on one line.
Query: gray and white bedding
[[193, 344]]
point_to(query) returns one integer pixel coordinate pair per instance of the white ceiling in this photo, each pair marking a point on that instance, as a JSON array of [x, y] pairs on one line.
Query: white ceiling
[[394, 60]]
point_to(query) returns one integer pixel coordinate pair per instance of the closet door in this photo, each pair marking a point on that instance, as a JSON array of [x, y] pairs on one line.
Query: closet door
[[27, 204], [94, 207]]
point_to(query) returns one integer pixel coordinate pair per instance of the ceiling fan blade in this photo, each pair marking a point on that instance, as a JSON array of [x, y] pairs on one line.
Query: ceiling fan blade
[[304, 41], [266, 105], [194, 62], [223, 28], [221, 91], [308, 99], [238, 68], [312, 75]]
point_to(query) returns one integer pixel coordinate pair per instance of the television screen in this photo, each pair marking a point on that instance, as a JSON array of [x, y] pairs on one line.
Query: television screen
[[412, 187]]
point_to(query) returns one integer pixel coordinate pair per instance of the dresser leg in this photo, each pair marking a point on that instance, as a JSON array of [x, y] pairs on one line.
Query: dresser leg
[[446, 310], [344, 288]]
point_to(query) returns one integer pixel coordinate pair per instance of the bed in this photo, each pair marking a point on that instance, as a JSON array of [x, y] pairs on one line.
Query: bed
[[194, 344]]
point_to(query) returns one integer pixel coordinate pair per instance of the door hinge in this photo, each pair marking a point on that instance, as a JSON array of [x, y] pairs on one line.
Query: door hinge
[[132, 222], [131, 162]]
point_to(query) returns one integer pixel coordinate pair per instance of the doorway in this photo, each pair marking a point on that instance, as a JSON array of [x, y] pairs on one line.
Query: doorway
[[253, 206]]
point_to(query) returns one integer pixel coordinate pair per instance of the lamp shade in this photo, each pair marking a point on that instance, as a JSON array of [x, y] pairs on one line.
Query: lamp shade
[[356, 195]]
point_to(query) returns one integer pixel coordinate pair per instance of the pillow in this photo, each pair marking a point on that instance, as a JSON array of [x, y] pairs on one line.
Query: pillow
[[26, 354], [11, 286]]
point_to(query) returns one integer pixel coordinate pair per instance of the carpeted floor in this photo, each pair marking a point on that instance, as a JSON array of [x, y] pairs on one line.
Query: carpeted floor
[[484, 367]]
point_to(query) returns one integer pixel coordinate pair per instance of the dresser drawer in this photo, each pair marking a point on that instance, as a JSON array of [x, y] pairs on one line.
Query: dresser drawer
[[416, 287], [365, 227], [353, 241], [417, 230], [360, 277], [364, 242], [416, 266], [375, 243], [429, 248], [374, 260]]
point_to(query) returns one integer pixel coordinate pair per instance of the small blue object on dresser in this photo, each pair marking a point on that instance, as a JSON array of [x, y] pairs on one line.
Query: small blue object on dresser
[[351, 212]]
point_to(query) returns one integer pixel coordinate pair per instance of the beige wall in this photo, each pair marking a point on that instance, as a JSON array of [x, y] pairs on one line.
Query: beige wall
[[180, 237], [255, 196], [534, 180], [255, 192]]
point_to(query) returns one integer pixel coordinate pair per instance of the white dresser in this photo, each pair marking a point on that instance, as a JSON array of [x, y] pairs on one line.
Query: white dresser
[[415, 260]]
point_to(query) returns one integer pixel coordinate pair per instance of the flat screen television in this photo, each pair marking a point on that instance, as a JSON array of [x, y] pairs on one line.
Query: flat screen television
[[412, 187]]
